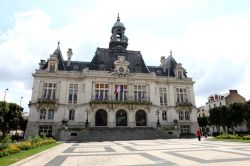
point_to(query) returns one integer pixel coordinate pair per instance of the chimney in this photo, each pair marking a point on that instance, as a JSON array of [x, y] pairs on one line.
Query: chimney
[[70, 53], [232, 91], [41, 64]]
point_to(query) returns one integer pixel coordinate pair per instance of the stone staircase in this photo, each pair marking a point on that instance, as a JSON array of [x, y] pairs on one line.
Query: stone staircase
[[115, 134]]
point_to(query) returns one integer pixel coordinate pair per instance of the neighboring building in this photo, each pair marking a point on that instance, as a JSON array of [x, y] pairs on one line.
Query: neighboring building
[[115, 89], [201, 111], [218, 100]]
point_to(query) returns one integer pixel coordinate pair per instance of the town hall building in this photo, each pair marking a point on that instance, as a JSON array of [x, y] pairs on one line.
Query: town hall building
[[116, 89]]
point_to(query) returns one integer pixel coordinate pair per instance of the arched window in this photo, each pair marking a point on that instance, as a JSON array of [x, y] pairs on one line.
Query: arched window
[[72, 114]]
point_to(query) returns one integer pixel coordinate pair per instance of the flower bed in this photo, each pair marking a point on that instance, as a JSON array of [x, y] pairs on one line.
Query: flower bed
[[8, 148]]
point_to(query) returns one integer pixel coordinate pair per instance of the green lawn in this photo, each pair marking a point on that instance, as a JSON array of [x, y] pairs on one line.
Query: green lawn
[[23, 154]]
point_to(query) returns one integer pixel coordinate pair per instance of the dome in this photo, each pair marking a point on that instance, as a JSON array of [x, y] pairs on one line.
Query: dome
[[118, 24]]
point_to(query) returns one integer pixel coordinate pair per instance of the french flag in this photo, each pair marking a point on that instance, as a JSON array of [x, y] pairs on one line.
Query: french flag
[[119, 89]]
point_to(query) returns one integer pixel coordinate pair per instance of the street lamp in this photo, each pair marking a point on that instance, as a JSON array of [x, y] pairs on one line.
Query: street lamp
[[5, 93], [21, 101], [87, 119], [158, 120]]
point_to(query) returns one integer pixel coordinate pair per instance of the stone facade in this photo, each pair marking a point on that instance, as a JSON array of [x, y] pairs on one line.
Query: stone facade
[[115, 89]]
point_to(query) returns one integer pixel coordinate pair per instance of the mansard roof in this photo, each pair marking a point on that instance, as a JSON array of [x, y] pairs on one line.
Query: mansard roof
[[104, 60], [167, 70]]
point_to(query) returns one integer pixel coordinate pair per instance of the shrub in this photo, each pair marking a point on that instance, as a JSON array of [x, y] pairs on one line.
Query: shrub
[[247, 137], [223, 136], [234, 136], [7, 139], [26, 145], [13, 149], [4, 146]]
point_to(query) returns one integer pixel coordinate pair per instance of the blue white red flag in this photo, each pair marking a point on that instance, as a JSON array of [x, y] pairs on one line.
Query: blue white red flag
[[119, 89]]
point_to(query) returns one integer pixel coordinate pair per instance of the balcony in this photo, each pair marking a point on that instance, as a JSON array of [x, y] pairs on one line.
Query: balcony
[[130, 102], [184, 106], [46, 102]]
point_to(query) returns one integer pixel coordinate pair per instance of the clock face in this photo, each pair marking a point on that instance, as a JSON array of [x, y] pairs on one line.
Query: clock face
[[121, 69]]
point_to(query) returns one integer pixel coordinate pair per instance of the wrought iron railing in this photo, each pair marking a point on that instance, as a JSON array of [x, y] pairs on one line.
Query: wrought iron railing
[[125, 102]]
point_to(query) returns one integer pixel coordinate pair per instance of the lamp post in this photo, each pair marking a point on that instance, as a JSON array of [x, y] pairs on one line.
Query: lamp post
[[5, 93], [21, 101], [87, 119], [158, 120]]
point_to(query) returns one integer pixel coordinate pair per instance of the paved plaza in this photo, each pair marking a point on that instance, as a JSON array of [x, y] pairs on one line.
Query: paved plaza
[[161, 152]]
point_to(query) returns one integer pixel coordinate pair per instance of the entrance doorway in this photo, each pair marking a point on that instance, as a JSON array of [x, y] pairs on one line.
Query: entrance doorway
[[101, 118], [141, 119], [121, 118]]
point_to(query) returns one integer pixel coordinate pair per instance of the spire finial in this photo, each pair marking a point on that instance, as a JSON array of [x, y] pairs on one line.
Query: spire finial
[[58, 43], [170, 52], [118, 18]]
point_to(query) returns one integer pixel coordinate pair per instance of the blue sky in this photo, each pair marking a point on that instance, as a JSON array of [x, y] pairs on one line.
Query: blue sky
[[209, 37]]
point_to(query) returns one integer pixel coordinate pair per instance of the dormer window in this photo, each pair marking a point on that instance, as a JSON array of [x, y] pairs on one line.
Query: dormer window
[[52, 67], [180, 74]]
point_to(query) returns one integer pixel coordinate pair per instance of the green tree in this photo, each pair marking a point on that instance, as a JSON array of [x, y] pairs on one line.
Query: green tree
[[237, 114], [10, 116], [246, 114], [203, 122], [214, 118], [4, 109], [226, 117]]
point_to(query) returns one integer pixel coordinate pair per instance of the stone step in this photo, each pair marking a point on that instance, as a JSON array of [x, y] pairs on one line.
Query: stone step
[[116, 134]]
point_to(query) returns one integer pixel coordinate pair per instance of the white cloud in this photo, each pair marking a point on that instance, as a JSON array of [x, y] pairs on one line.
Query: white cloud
[[214, 51]]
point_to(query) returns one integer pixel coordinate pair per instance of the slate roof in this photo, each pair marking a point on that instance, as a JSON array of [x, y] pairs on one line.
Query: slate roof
[[167, 70], [104, 58]]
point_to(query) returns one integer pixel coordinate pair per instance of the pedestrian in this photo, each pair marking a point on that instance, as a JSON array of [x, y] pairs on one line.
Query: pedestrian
[[198, 134]]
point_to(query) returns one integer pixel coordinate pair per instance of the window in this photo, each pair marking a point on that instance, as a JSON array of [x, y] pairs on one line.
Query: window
[[47, 130], [52, 67], [181, 115], [163, 96], [209, 106], [179, 75], [181, 95], [164, 115], [187, 115], [71, 114], [214, 105], [185, 129], [203, 114], [101, 91], [139, 92], [50, 114], [184, 115], [42, 114], [73, 89], [220, 104], [121, 92], [49, 91]]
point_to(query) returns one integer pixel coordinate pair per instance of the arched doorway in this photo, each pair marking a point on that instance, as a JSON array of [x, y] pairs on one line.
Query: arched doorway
[[141, 118], [121, 118], [101, 118]]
